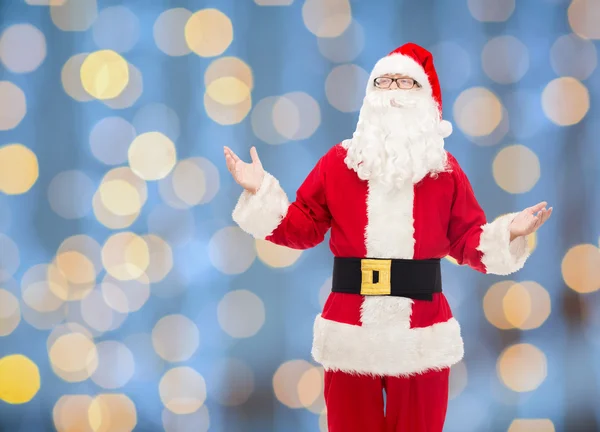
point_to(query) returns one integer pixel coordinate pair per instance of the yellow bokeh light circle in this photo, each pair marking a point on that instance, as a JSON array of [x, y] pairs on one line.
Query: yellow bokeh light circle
[[517, 305], [526, 305], [19, 379], [241, 313], [493, 304], [22, 48], [233, 67], [70, 413], [182, 390], [13, 105], [581, 268], [522, 367], [505, 59], [565, 101], [296, 116], [229, 83], [43, 290], [344, 87], [76, 267], [104, 74], [120, 197], [491, 10], [10, 312], [228, 90], [572, 56], [584, 16], [73, 15], [531, 425], [132, 92], [477, 111], [125, 296], [286, 380], [73, 357], [516, 169], [169, 34], [19, 169], [209, 32], [152, 156], [310, 390], [107, 217], [112, 412], [125, 256], [161, 258], [276, 256], [71, 78], [327, 18], [175, 338], [115, 365]]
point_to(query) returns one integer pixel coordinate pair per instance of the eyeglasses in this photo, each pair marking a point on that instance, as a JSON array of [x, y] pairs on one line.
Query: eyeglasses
[[402, 83]]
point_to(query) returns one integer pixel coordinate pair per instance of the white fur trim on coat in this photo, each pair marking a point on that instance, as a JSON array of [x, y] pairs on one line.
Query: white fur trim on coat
[[389, 350], [260, 213], [500, 255], [400, 64]]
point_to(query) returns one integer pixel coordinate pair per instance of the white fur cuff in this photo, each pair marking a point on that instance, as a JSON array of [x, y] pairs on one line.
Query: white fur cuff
[[386, 350], [260, 213], [500, 255]]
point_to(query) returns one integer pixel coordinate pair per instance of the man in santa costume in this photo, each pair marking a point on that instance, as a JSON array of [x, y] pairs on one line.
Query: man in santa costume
[[396, 203]]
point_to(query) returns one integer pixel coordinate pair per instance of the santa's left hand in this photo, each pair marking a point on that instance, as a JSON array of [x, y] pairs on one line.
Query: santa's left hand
[[529, 220]]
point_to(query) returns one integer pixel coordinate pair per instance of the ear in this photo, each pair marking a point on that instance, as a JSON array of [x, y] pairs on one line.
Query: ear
[[445, 128]]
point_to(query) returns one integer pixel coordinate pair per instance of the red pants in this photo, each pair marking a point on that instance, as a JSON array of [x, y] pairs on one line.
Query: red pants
[[414, 404]]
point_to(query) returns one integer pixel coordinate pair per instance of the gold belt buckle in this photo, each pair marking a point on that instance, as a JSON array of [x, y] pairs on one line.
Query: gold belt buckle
[[383, 285]]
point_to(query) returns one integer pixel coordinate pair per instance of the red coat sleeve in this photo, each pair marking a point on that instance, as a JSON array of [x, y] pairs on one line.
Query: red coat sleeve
[[269, 215], [466, 221], [486, 247]]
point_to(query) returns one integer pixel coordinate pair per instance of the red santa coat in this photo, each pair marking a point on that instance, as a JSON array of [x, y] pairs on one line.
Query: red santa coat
[[439, 216]]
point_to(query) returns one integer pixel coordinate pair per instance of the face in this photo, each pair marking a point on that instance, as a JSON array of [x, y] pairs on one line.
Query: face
[[396, 82]]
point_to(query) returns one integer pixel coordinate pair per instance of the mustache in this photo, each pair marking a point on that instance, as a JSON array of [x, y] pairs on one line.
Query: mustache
[[393, 98]]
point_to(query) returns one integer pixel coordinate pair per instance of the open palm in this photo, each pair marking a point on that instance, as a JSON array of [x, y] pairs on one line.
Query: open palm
[[247, 175], [529, 220]]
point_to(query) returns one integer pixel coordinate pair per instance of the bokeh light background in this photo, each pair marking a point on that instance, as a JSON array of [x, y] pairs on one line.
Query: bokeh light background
[[130, 301]]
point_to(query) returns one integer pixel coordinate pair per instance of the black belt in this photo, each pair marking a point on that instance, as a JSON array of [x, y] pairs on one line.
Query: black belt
[[415, 279]]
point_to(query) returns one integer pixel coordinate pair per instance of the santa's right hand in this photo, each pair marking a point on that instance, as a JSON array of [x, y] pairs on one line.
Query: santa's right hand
[[247, 175]]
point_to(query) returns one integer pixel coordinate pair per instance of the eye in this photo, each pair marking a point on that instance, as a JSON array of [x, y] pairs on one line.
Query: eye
[[382, 81]]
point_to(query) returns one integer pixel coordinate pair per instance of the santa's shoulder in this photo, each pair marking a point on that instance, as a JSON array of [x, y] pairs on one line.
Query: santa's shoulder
[[336, 153], [452, 164]]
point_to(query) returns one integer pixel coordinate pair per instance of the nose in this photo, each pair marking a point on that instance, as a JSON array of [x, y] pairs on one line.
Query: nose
[[394, 86]]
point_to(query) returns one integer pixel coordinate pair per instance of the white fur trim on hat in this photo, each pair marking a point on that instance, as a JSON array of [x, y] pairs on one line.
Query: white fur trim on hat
[[445, 128], [400, 64]]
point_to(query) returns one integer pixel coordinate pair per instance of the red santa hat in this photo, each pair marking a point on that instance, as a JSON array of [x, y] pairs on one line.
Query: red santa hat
[[416, 62]]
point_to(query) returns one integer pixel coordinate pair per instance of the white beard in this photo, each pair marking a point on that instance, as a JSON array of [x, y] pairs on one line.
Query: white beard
[[397, 139]]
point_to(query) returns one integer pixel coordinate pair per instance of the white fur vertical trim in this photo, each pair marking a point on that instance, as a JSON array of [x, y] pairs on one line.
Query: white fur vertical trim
[[260, 213], [389, 234], [500, 255], [400, 64], [389, 350]]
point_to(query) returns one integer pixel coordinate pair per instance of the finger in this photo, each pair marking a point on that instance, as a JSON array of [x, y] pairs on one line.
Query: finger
[[547, 215], [233, 155], [230, 163], [254, 156], [536, 208]]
